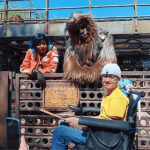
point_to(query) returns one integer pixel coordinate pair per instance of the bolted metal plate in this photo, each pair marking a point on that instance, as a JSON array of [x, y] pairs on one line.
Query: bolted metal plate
[[60, 94]]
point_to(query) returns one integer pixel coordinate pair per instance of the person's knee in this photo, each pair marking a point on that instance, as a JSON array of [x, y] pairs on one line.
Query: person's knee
[[58, 131]]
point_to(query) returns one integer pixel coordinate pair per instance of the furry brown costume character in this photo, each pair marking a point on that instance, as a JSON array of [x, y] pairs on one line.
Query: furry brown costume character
[[86, 50]]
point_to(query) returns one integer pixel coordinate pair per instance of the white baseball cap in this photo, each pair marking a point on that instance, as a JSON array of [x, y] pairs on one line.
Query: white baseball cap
[[111, 68]]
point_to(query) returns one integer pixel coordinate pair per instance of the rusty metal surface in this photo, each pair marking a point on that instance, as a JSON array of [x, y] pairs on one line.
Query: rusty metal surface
[[145, 105], [134, 74], [40, 131], [39, 120], [53, 95], [91, 95], [57, 29], [17, 95], [124, 27], [135, 14], [143, 143], [40, 141], [30, 96], [90, 103], [143, 132], [37, 125], [4, 107], [30, 106], [5, 17], [29, 90], [144, 122]]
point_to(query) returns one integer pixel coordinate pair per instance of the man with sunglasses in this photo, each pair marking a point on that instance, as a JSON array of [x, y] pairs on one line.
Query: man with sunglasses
[[114, 106]]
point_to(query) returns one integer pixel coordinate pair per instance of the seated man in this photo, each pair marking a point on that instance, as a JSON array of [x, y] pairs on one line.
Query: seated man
[[114, 106]]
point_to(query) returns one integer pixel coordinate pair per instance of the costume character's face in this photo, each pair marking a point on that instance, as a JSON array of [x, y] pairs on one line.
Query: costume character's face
[[82, 29], [103, 33], [41, 47], [110, 82]]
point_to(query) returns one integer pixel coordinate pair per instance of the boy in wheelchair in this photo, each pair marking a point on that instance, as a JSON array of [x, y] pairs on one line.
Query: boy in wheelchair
[[110, 126]]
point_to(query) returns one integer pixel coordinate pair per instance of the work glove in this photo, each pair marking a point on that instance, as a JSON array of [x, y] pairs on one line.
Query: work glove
[[39, 76]]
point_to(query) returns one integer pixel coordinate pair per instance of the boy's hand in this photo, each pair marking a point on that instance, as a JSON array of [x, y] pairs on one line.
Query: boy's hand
[[129, 86], [73, 122]]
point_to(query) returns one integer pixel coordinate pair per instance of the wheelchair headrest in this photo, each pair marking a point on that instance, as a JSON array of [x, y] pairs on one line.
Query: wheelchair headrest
[[135, 96]]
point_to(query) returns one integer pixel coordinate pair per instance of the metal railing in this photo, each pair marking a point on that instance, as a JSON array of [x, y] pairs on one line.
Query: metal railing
[[90, 7]]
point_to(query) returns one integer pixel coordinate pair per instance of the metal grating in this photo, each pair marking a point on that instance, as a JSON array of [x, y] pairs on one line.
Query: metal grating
[[38, 127]]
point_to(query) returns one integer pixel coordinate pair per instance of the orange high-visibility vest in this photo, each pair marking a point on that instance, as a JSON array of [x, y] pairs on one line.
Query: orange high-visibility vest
[[31, 62]]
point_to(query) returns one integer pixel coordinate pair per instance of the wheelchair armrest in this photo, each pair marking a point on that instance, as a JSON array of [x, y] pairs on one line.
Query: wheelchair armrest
[[108, 124], [91, 109], [78, 109]]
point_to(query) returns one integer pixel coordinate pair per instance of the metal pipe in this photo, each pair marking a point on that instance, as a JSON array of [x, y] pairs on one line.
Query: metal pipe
[[82, 7], [4, 111], [5, 16], [135, 14], [121, 17], [30, 15], [0, 16], [17, 96], [90, 7], [47, 5], [93, 18]]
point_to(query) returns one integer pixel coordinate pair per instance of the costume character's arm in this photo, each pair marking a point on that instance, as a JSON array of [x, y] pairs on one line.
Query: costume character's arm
[[74, 72], [28, 64], [108, 52]]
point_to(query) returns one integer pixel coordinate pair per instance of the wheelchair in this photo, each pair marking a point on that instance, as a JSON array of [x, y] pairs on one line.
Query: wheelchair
[[110, 134]]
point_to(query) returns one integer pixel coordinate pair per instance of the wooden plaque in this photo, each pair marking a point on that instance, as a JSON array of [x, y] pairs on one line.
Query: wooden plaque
[[60, 93]]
